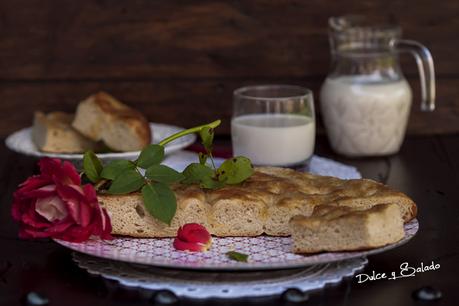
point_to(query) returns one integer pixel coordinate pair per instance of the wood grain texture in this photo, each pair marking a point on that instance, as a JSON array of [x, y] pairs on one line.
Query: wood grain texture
[[65, 39], [178, 61]]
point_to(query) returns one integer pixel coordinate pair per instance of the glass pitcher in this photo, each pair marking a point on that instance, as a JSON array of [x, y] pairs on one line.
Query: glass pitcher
[[365, 100]]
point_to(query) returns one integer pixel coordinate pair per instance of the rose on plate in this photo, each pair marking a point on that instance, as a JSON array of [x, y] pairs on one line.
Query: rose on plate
[[192, 237], [55, 204]]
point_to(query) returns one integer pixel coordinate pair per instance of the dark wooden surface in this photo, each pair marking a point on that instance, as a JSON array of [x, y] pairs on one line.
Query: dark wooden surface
[[168, 57], [427, 169]]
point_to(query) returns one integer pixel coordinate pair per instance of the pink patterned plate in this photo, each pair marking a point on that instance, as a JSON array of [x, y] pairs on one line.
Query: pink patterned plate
[[264, 252]]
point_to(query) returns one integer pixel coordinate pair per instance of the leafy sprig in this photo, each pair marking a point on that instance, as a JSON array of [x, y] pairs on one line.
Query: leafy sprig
[[147, 175]]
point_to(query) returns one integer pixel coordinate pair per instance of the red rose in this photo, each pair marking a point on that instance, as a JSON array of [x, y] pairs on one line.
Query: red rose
[[192, 237], [55, 204]]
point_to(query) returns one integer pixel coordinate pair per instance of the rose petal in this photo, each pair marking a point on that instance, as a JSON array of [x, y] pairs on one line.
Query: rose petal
[[28, 232], [49, 166], [86, 213], [102, 226], [84, 205], [193, 232], [90, 193], [71, 172], [188, 246], [106, 225], [72, 199], [77, 188], [59, 227], [41, 192], [51, 208], [32, 183], [76, 233], [30, 218], [66, 174]]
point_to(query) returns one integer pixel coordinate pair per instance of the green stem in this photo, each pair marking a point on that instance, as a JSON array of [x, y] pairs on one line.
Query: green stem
[[212, 159], [173, 137], [99, 184]]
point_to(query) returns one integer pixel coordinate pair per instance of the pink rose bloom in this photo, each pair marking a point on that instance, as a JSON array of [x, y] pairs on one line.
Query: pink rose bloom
[[55, 204], [192, 237]]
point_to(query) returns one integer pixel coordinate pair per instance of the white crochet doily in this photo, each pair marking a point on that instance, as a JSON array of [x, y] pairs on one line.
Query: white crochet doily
[[228, 285]]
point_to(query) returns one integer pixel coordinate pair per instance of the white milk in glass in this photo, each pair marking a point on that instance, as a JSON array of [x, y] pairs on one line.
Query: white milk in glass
[[273, 139], [365, 118]]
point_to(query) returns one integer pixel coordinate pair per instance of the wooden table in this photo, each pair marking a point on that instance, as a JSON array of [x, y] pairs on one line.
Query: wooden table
[[427, 169]]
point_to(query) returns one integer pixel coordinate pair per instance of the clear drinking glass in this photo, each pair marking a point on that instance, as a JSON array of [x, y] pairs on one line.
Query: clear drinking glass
[[273, 125]]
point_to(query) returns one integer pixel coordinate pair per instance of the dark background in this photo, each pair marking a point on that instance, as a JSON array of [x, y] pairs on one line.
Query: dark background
[[179, 61]]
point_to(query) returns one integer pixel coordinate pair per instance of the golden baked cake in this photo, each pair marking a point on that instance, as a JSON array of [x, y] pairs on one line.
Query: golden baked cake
[[101, 117], [332, 228], [54, 133], [264, 203]]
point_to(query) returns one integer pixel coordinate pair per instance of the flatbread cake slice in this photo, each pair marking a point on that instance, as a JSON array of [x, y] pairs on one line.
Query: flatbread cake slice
[[54, 133], [332, 228], [129, 216], [298, 193], [264, 203], [101, 117]]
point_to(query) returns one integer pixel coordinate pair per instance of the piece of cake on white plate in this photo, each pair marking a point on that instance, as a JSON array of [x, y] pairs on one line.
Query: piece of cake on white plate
[[101, 117], [334, 228], [53, 133]]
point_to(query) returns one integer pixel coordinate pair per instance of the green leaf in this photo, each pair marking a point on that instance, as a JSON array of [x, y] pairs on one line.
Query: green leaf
[[237, 256], [207, 137], [202, 158], [160, 201], [195, 172], [202, 175], [235, 170], [116, 168], [210, 183], [150, 155], [130, 181], [163, 174], [92, 166]]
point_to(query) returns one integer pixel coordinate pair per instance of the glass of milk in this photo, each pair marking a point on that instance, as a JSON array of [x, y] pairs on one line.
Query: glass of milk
[[273, 125]]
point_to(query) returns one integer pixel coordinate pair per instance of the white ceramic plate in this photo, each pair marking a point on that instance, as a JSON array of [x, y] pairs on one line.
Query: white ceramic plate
[[21, 142], [264, 252]]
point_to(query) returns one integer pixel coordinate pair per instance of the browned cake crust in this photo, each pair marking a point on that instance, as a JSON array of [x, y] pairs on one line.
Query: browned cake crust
[[265, 203], [102, 117], [54, 133], [119, 111]]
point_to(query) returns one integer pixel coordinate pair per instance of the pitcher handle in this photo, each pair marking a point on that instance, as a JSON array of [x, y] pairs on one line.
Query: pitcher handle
[[426, 69]]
